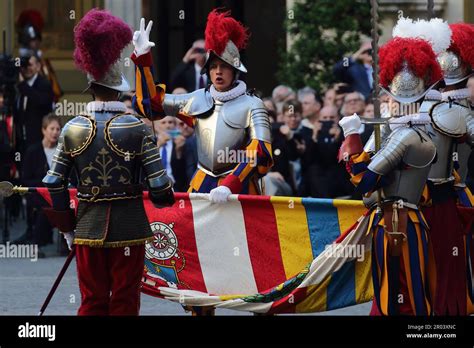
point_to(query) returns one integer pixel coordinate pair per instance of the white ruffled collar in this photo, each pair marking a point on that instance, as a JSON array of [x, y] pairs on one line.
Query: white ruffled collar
[[233, 93], [461, 93], [110, 106]]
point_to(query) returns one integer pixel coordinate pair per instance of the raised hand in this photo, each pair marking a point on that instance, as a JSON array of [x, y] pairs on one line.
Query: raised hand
[[141, 39]]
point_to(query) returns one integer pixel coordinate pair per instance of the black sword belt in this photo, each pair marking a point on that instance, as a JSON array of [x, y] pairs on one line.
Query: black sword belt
[[119, 191]]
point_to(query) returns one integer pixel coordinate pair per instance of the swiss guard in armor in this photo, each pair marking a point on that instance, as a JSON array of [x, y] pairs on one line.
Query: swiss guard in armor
[[231, 124], [108, 148], [453, 129], [400, 247]]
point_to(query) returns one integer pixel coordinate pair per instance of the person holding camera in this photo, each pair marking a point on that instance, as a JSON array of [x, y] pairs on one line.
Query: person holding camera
[[356, 70], [187, 74], [325, 177]]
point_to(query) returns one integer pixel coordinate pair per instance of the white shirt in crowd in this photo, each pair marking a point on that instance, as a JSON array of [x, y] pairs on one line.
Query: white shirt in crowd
[[169, 151], [49, 152]]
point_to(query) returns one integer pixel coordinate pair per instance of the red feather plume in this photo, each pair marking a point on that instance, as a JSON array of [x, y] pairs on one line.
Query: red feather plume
[[32, 17], [417, 53], [100, 38], [221, 28], [462, 41]]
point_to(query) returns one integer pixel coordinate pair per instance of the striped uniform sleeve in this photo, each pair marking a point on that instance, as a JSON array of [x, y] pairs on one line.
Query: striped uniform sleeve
[[148, 98], [258, 160], [357, 161]]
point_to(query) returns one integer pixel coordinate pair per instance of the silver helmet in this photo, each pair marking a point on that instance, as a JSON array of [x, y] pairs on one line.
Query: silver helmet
[[113, 79], [230, 55], [454, 68], [406, 87]]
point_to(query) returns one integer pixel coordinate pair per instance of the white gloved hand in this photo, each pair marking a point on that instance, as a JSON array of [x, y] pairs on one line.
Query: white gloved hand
[[350, 124], [220, 194], [141, 39], [69, 237]]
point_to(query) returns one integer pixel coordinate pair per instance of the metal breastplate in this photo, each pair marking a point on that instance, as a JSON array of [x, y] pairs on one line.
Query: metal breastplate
[[406, 184], [221, 135], [448, 124], [405, 160], [464, 148], [110, 159], [441, 170], [449, 118]]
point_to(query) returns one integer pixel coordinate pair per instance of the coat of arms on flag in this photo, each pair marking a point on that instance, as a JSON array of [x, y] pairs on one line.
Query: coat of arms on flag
[[164, 260]]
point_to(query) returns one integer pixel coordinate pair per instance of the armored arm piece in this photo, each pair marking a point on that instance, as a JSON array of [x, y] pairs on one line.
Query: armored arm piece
[[160, 186], [370, 174], [258, 153], [56, 180], [390, 156], [152, 102]]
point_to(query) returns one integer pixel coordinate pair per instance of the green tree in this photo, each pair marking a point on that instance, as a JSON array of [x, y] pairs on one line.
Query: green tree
[[324, 31]]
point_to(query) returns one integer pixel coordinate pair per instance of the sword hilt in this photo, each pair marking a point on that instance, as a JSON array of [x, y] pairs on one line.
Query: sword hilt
[[7, 189]]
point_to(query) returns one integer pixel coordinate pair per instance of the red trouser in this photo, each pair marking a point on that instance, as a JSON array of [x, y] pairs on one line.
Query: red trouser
[[109, 279]]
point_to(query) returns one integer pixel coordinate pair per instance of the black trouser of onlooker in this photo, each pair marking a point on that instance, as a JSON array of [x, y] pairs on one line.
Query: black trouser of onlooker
[[329, 182], [41, 230]]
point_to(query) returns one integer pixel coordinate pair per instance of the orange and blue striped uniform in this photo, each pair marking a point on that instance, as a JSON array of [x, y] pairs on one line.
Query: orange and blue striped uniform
[[401, 286], [244, 177], [466, 210]]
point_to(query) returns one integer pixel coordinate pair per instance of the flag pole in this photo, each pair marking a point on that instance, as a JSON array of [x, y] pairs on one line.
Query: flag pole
[[7, 189], [378, 120], [58, 280], [430, 9]]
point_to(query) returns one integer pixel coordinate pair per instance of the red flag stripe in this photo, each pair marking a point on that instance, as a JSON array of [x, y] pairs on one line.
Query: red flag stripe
[[288, 303], [262, 239]]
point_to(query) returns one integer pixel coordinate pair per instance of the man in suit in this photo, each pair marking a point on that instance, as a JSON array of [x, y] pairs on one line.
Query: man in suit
[[191, 153], [35, 100], [187, 74], [172, 149], [357, 70], [279, 180]]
